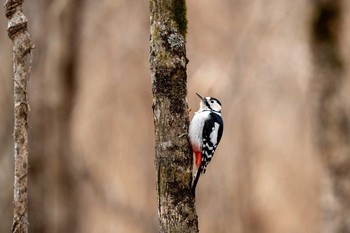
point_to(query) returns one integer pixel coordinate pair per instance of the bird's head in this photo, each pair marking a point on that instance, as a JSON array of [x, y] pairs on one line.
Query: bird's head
[[209, 103]]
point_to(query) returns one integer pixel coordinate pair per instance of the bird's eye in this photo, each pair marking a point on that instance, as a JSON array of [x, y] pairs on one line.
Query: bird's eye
[[212, 101]]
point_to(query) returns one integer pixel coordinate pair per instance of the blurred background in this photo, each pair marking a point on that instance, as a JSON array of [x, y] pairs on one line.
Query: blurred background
[[91, 146]]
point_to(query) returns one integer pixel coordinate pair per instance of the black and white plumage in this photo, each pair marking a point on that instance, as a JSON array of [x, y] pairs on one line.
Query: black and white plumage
[[205, 133]]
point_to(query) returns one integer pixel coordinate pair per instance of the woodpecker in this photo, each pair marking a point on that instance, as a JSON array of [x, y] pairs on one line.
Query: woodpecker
[[205, 133]]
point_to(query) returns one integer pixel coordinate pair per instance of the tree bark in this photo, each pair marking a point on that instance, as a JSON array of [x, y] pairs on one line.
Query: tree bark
[[173, 159], [18, 33], [331, 113]]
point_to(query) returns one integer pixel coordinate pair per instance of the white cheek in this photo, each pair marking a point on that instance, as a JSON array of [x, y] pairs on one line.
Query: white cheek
[[217, 107]]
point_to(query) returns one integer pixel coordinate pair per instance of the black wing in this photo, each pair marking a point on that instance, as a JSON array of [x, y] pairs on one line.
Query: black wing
[[214, 125]]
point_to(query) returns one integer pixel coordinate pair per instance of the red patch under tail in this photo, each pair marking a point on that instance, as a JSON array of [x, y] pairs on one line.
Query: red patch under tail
[[198, 155]]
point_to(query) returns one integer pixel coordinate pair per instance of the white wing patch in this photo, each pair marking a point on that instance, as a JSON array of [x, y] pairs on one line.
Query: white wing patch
[[214, 134]]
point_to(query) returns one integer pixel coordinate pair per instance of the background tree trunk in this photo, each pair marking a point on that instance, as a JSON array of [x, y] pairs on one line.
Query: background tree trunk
[[18, 33], [332, 111], [53, 207], [173, 160]]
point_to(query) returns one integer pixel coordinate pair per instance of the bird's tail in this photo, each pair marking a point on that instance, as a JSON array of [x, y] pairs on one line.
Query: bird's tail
[[195, 180]]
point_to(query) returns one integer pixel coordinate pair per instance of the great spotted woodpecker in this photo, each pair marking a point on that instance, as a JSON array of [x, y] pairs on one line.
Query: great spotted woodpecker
[[205, 134]]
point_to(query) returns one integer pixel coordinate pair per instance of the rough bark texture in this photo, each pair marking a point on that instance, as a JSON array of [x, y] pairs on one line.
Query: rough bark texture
[[18, 33], [333, 119], [173, 160]]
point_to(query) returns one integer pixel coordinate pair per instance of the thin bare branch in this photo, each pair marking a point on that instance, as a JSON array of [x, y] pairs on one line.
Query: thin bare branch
[[18, 32]]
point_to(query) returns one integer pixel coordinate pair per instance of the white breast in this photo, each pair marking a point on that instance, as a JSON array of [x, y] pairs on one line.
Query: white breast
[[196, 128]]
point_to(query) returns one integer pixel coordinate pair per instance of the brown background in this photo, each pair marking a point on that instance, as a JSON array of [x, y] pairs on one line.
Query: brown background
[[91, 127]]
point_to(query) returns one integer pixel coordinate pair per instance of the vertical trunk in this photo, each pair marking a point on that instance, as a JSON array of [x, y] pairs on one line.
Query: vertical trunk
[[332, 116], [53, 201], [173, 160], [18, 33]]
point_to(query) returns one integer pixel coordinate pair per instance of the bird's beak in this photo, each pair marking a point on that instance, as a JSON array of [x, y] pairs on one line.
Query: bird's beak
[[200, 97]]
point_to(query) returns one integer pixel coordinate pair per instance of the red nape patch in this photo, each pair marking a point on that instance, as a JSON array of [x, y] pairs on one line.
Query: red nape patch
[[198, 158]]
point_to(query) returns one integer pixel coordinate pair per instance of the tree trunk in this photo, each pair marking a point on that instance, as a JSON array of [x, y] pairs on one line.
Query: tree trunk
[[331, 113], [173, 160], [53, 202], [18, 33]]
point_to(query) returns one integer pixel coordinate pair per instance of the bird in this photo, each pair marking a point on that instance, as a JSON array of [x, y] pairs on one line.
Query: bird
[[205, 132]]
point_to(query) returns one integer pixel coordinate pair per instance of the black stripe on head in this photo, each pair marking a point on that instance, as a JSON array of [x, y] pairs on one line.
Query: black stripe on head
[[206, 103]]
